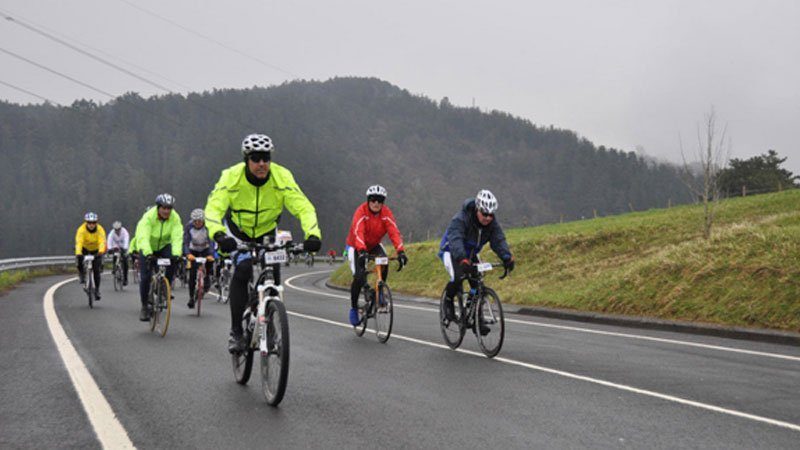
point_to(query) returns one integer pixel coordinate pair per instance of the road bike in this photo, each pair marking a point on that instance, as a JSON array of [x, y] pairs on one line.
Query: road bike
[[265, 322], [200, 276], [88, 281], [331, 259], [117, 273], [224, 279], [160, 297], [479, 310], [381, 310]]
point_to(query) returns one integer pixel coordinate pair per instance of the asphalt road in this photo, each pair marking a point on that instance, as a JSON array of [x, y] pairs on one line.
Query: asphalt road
[[556, 384]]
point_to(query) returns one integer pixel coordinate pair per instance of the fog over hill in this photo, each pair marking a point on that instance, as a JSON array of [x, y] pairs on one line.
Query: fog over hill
[[337, 137]]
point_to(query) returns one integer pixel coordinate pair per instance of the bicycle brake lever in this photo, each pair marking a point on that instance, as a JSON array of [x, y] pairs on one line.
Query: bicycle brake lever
[[505, 273]]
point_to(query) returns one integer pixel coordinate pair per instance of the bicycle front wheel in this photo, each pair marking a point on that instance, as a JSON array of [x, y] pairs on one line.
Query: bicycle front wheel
[[452, 329], [164, 307], [90, 288], [117, 280], [275, 361], [198, 292], [490, 323], [384, 314], [224, 287]]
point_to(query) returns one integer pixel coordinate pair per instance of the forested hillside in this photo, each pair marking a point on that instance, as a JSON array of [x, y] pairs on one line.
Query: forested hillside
[[337, 136]]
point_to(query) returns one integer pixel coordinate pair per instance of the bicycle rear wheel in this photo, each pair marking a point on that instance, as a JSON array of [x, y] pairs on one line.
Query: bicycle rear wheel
[[490, 323], [164, 309], [243, 362], [384, 314], [275, 363], [452, 330], [364, 307]]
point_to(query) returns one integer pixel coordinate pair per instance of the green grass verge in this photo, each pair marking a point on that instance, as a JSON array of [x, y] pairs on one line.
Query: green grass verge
[[11, 278], [652, 263]]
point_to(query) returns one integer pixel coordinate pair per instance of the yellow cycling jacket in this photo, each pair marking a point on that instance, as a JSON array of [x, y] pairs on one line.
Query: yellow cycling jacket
[[255, 209], [92, 241], [153, 234]]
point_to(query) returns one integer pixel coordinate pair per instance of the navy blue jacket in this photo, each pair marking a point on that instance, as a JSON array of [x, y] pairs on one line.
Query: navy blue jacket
[[465, 236]]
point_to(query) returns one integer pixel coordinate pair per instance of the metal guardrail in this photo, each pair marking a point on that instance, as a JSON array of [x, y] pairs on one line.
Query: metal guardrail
[[36, 261]]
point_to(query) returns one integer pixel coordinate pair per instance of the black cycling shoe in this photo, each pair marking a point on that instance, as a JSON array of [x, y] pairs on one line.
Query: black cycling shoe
[[236, 344], [484, 330], [190, 304], [124, 282], [97, 296], [144, 314]]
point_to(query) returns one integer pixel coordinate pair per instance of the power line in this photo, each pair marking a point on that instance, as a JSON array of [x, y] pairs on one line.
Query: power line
[[13, 17], [117, 67], [86, 85], [30, 93], [229, 48]]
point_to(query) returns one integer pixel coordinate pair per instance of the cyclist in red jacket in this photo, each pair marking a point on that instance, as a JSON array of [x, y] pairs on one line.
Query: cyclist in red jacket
[[371, 221]]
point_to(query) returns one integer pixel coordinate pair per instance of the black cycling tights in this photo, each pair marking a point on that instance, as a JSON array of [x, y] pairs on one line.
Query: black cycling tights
[[238, 295], [360, 277]]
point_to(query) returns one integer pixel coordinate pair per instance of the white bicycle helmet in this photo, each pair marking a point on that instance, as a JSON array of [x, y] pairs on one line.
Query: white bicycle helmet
[[90, 217], [376, 190], [116, 225], [165, 200], [257, 143], [486, 201], [198, 214]]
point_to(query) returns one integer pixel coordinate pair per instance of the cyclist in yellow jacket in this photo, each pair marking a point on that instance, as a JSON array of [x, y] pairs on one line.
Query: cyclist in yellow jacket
[[159, 234], [90, 239], [245, 205]]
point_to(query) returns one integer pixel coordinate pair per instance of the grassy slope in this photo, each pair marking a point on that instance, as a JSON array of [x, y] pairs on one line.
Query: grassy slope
[[652, 263], [10, 278]]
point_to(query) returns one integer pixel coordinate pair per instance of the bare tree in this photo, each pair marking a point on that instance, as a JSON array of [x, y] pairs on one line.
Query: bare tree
[[702, 179]]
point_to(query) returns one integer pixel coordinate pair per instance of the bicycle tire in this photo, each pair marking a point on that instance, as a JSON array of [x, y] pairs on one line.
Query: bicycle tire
[[198, 292], [363, 315], [114, 277], [224, 287], [243, 362], [489, 306], [452, 330], [90, 288], [164, 306], [275, 364], [152, 300], [384, 313]]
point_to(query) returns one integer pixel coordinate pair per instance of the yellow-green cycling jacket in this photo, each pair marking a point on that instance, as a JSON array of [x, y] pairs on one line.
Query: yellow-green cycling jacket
[[153, 234], [255, 210]]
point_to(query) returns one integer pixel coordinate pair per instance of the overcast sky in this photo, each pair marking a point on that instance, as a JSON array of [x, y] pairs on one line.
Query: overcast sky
[[623, 74]]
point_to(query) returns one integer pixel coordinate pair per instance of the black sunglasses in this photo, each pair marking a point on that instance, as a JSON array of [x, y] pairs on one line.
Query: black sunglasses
[[376, 198], [259, 157], [486, 214]]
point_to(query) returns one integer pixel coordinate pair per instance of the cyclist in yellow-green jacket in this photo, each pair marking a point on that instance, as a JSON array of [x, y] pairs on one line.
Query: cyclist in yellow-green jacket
[[245, 205], [159, 234]]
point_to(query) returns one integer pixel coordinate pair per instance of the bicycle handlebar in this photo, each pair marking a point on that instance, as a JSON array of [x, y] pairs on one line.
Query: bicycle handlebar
[[372, 258]]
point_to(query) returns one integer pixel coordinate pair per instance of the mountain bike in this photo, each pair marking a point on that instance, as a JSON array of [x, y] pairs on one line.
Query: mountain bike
[[200, 276], [479, 310], [160, 297], [116, 271], [88, 282], [382, 310], [224, 280], [265, 322]]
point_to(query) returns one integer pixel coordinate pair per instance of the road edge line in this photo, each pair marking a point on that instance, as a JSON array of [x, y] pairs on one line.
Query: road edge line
[[107, 427]]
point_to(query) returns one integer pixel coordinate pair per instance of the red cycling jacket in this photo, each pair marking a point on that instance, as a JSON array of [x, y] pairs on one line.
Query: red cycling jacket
[[368, 228]]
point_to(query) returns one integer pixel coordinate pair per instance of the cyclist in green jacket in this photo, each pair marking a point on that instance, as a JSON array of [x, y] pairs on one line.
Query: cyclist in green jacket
[[245, 205], [159, 234]]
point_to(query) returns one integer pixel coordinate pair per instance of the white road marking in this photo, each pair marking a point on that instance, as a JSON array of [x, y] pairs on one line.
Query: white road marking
[[109, 430], [622, 387], [578, 329]]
